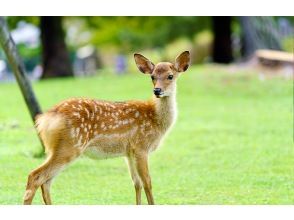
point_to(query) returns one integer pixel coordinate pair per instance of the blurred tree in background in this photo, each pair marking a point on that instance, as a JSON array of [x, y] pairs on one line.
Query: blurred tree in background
[[218, 39], [222, 45], [137, 33], [258, 33], [55, 56]]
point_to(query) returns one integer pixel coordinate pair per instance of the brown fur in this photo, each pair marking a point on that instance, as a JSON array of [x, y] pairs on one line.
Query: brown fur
[[104, 129]]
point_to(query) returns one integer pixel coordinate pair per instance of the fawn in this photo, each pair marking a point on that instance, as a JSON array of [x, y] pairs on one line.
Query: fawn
[[132, 129]]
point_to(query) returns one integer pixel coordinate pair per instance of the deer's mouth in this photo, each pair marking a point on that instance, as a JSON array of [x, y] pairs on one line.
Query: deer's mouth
[[160, 95]]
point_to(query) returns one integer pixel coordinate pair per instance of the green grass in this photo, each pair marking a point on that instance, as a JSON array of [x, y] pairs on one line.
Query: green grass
[[232, 143]]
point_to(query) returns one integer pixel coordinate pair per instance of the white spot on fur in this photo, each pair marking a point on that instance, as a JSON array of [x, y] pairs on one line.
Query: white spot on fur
[[137, 114], [79, 142], [88, 113], [76, 114], [77, 131], [72, 132]]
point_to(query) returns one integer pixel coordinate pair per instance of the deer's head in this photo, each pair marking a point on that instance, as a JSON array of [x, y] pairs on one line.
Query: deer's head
[[163, 74]]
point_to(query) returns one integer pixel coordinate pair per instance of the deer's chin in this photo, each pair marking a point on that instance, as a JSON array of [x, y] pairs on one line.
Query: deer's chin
[[164, 94], [159, 96]]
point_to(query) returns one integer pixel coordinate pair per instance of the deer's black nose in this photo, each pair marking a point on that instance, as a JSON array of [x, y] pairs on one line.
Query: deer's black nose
[[157, 91]]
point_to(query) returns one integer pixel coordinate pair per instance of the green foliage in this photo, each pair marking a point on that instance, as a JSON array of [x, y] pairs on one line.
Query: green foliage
[[202, 46], [13, 20], [31, 55], [173, 49], [288, 44], [133, 33], [232, 143]]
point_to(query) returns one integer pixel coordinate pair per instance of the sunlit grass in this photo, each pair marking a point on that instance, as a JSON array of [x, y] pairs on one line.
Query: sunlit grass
[[232, 143]]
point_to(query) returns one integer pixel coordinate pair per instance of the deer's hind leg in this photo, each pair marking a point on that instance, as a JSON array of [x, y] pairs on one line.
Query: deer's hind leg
[[43, 175], [45, 187]]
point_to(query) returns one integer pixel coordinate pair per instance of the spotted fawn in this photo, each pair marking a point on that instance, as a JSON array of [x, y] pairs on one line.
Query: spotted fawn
[[103, 129]]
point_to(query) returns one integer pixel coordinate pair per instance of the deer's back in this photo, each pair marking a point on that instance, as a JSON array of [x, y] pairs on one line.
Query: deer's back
[[107, 129]]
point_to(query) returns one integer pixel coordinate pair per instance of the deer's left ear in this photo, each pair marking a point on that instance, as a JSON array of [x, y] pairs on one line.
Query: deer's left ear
[[182, 61]]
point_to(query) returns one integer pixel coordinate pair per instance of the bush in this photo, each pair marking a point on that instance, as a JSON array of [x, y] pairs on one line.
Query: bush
[[202, 46], [287, 44]]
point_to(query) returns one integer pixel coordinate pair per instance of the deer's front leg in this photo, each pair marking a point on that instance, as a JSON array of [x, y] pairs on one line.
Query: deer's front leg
[[142, 169], [135, 178]]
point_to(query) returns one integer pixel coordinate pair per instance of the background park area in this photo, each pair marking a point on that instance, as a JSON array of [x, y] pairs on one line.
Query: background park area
[[233, 140]]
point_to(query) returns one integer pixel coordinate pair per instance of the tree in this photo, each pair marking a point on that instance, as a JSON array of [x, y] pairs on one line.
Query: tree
[[18, 69], [222, 45], [55, 57], [259, 33], [139, 33]]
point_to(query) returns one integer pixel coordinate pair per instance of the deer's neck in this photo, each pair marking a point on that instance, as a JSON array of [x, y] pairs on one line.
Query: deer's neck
[[166, 111]]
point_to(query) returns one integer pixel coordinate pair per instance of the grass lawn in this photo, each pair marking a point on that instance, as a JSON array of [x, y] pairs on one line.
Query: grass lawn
[[232, 143]]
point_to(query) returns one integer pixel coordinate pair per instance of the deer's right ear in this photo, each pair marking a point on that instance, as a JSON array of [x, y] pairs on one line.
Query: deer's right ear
[[143, 64]]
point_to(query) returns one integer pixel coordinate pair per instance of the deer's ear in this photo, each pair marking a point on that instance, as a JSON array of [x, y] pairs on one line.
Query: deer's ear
[[143, 64], [182, 61]]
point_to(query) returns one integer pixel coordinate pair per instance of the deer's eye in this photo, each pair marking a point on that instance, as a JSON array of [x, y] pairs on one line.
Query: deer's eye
[[152, 77], [170, 77]]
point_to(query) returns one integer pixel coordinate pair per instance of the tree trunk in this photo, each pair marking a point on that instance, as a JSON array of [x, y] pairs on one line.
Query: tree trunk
[[56, 61], [18, 69], [222, 46]]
